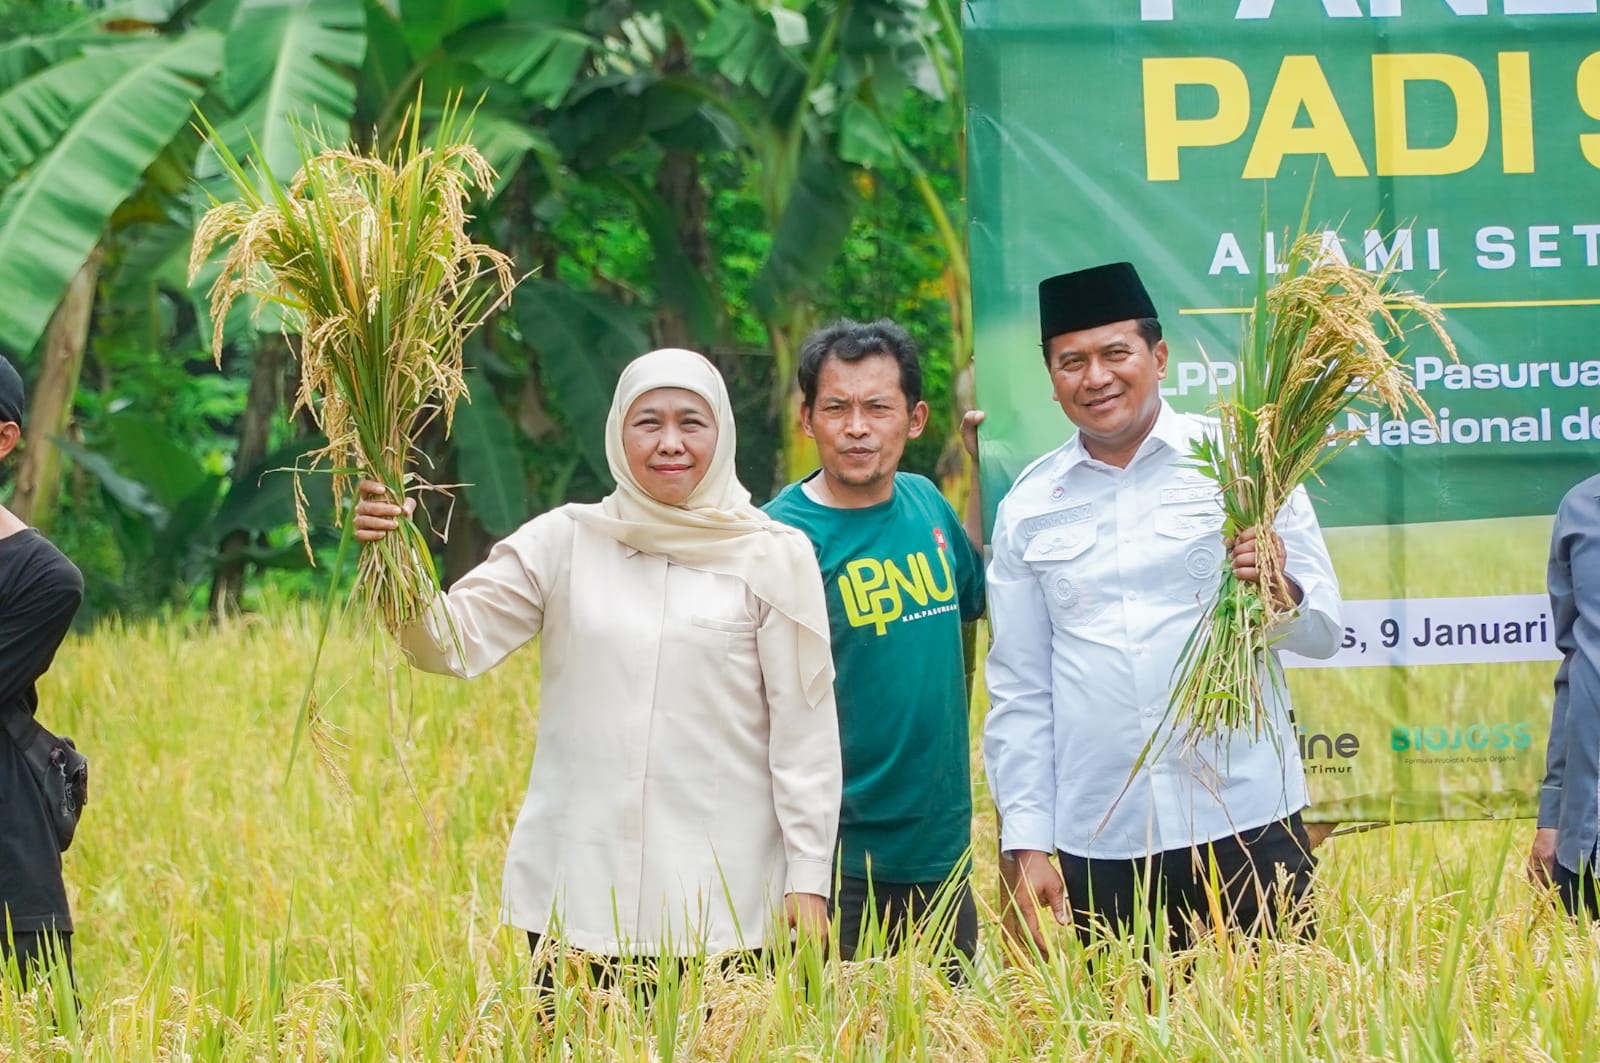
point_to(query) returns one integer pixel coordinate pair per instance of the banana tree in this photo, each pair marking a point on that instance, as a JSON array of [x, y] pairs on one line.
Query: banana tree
[[86, 112], [92, 124], [173, 518], [583, 103], [76, 139], [819, 92]]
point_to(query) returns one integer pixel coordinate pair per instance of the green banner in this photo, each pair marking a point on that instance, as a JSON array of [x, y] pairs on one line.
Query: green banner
[[1457, 141]]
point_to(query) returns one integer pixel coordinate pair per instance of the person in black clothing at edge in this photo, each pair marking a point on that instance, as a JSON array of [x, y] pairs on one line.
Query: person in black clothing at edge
[[40, 591]]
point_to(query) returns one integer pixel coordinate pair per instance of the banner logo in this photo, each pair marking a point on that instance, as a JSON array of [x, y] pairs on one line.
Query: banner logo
[[1325, 754], [1476, 737]]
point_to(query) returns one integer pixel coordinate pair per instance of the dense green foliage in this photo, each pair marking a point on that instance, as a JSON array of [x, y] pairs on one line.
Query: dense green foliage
[[721, 174]]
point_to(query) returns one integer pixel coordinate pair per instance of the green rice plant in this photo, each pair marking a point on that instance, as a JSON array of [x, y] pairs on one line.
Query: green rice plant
[[368, 260], [1325, 337], [221, 916]]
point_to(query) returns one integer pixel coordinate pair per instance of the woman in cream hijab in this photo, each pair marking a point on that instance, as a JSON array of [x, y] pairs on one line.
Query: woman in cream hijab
[[685, 787]]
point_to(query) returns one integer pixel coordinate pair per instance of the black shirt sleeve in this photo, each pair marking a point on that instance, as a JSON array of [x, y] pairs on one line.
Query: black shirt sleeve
[[40, 591]]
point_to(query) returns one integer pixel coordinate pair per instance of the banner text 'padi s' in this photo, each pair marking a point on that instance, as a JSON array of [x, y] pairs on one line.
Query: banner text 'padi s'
[[1456, 140]]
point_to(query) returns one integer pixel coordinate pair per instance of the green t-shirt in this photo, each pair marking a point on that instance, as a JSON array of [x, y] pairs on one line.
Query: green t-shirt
[[900, 576]]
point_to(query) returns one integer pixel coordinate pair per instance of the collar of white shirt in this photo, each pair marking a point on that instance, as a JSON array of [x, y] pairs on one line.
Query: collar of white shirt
[[1171, 429]]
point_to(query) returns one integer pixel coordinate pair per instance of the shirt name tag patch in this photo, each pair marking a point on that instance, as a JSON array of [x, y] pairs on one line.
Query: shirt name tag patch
[[1177, 496], [1056, 519]]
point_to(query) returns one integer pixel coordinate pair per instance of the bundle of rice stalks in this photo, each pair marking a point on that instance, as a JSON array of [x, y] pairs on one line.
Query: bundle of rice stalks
[[1325, 337], [368, 260]]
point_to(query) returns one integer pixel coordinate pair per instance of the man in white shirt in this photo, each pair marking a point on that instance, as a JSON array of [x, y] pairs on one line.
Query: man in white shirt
[[1107, 552]]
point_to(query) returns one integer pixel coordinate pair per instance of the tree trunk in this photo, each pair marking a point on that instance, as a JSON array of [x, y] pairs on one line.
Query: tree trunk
[[799, 453], [679, 187], [66, 338], [255, 431]]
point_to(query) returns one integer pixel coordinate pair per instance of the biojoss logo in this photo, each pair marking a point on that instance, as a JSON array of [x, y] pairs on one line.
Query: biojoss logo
[[877, 593], [1325, 754], [1477, 737]]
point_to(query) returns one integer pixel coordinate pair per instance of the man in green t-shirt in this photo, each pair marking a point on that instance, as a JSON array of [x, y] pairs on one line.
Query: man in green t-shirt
[[901, 574]]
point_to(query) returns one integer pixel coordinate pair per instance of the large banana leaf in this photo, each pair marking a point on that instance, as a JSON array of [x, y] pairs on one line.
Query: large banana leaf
[[584, 341], [263, 498], [747, 46], [37, 110], [52, 217], [810, 233], [28, 53], [387, 73], [163, 493], [143, 449], [287, 62], [508, 142], [22, 57], [540, 54], [610, 115], [427, 22], [681, 283], [124, 490], [488, 460], [864, 139]]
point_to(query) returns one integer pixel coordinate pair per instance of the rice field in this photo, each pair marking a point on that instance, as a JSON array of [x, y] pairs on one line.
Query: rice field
[[226, 914]]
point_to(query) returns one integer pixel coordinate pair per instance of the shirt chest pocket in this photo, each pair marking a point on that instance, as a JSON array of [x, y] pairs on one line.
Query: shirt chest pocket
[[734, 636], [734, 625], [1061, 559], [1191, 553]]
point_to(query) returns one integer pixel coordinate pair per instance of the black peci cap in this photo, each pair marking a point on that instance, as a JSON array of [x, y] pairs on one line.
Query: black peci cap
[[1090, 298]]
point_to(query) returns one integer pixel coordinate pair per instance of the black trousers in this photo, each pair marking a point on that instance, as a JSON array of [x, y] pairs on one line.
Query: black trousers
[[1176, 885], [35, 952], [1578, 892], [895, 907]]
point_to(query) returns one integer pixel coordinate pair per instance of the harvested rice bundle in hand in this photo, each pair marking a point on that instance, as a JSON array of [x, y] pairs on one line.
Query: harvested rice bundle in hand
[[369, 261], [1325, 337]]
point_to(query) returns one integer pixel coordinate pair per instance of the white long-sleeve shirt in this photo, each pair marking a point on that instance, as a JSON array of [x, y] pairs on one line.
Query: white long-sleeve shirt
[[681, 783], [1098, 577]]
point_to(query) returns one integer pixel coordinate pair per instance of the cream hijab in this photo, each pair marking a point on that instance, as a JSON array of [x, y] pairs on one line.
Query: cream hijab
[[716, 529]]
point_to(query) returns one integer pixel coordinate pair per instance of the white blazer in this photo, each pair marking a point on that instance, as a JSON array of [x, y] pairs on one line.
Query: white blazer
[[681, 784]]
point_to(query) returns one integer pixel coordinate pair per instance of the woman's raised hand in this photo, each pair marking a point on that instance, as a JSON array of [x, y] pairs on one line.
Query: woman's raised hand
[[376, 513]]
